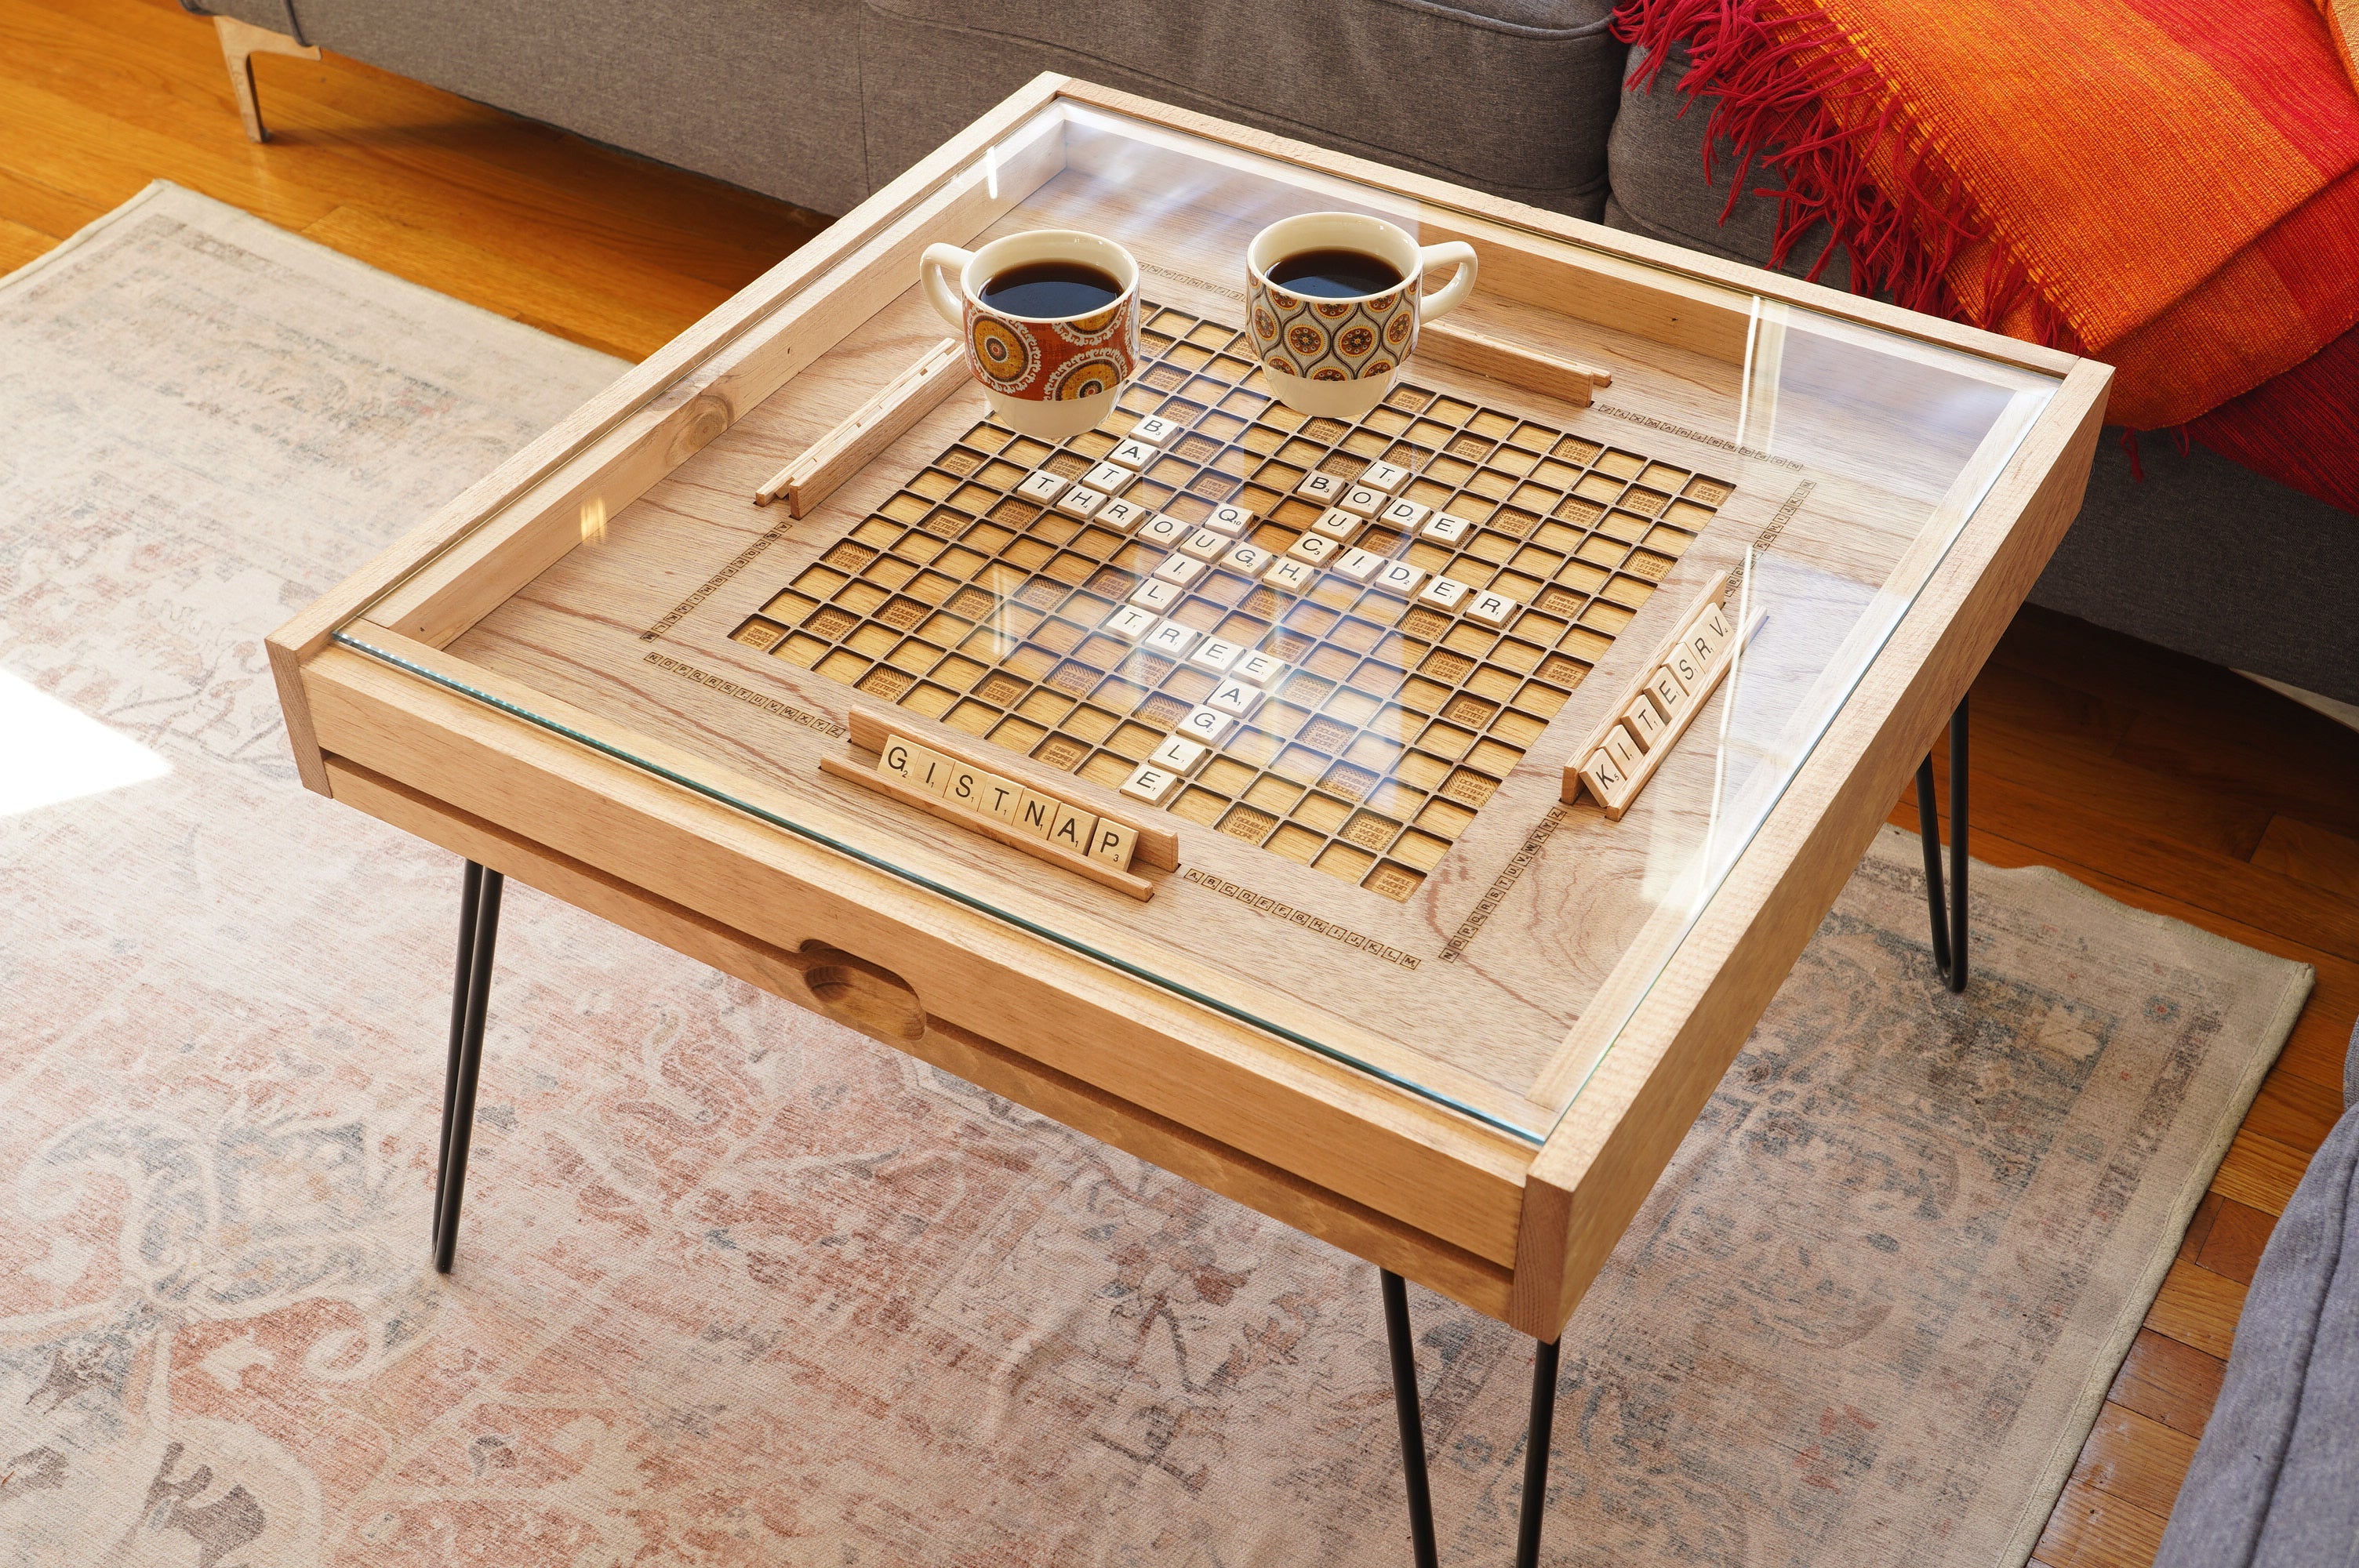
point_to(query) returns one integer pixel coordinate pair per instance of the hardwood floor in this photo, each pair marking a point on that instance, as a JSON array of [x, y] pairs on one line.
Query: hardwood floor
[[2170, 784], [98, 97]]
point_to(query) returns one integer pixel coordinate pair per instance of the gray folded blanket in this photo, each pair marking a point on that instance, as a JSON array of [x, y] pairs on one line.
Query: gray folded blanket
[[2276, 1481]]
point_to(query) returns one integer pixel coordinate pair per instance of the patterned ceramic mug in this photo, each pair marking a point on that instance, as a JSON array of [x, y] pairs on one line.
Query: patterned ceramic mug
[[1336, 356], [1048, 377]]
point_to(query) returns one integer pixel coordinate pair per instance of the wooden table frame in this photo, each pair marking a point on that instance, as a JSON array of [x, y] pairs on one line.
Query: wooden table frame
[[1513, 1231]]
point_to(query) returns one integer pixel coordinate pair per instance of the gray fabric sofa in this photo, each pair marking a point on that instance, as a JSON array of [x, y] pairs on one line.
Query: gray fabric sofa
[[821, 101], [2275, 1480]]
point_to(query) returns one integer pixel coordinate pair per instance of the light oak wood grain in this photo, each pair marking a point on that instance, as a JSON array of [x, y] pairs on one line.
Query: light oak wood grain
[[1665, 1061], [1330, 1123], [1451, 345], [844, 451], [516, 607], [240, 42], [1062, 858], [1307, 1206], [1158, 846]]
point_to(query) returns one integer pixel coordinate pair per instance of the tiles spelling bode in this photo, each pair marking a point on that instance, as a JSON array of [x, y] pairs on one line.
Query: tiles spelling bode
[[1370, 712]]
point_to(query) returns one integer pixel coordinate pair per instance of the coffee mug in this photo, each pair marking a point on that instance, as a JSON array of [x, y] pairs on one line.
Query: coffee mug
[[1331, 356], [1049, 377]]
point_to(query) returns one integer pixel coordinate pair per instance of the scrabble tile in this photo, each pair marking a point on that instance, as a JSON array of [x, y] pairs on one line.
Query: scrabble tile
[[1036, 814], [1606, 779], [1339, 525], [1358, 565], [1111, 842], [1178, 754], [1247, 559], [1404, 514], [1365, 502], [1213, 655], [1670, 693], [1165, 529], [1445, 529], [1206, 724], [965, 786], [1072, 829], [1618, 745], [929, 768], [1683, 663], [1491, 608], [1042, 486], [1235, 697], [1708, 635], [1231, 520], [1258, 669], [1398, 577], [1645, 721], [1205, 545], [1444, 593], [1315, 548], [1134, 454], [1326, 489], [1179, 570], [1156, 595], [1156, 430], [1122, 514], [1129, 622], [1290, 574], [1108, 478], [1174, 639], [1082, 501], [1149, 784], [1000, 798], [1385, 477], [893, 761]]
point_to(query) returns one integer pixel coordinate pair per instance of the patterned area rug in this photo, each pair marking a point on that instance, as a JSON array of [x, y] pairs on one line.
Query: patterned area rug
[[739, 1287]]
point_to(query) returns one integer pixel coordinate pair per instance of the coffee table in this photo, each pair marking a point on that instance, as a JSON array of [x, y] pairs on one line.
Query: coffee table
[[1439, 940]]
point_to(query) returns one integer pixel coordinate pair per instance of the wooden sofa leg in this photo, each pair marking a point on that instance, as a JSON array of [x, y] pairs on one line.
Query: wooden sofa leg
[[240, 42]]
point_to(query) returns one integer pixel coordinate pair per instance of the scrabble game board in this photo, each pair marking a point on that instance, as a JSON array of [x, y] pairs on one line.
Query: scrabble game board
[[1332, 639]]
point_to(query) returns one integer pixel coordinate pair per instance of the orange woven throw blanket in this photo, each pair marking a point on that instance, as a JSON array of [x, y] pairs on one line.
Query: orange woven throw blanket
[[2169, 186]]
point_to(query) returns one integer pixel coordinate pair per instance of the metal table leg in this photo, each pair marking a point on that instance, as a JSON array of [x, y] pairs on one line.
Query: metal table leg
[[1414, 1480], [1950, 921], [471, 995]]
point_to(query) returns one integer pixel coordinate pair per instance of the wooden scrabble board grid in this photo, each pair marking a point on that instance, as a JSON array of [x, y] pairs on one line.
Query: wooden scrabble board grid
[[1393, 721]]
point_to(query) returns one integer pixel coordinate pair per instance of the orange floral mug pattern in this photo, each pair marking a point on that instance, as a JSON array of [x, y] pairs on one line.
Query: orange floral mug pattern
[[1048, 378]]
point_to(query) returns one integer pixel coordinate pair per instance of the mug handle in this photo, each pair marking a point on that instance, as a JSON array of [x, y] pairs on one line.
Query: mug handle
[[1451, 294], [940, 259]]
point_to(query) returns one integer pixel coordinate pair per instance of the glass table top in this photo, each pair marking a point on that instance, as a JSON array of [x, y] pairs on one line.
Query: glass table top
[[1374, 857]]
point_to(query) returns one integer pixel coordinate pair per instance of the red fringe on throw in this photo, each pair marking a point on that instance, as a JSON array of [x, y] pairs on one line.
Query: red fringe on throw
[[1776, 84]]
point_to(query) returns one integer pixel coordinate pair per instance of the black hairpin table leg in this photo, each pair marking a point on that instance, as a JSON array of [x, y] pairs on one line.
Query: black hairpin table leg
[[1948, 911], [1414, 1481], [471, 995]]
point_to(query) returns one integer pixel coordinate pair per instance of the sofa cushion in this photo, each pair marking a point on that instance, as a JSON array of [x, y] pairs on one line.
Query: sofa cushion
[[1510, 96], [2275, 1480]]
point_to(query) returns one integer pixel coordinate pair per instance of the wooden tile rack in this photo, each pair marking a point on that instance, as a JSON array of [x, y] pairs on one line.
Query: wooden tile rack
[[1154, 847], [1451, 344], [846, 449], [1616, 759]]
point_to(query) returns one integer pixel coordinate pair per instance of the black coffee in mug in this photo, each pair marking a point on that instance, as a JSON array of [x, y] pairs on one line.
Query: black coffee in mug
[[1051, 291], [1335, 273]]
